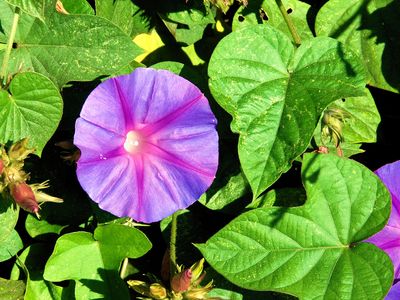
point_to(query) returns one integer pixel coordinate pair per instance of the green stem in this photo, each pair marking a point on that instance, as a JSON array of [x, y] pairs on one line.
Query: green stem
[[124, 266], [289, 23], [7, 53], [172, 243]]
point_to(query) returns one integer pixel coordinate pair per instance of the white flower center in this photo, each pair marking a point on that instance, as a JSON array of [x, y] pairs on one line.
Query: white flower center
[[132, 142]]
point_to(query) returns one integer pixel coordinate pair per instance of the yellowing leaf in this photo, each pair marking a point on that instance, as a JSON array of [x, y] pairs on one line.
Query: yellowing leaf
[[149, 42]]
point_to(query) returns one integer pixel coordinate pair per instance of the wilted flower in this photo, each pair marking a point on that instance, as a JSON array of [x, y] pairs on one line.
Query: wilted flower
[[148, 144], [388, 239]]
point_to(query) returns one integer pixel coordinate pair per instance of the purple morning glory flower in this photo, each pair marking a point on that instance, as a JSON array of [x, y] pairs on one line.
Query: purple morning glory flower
[[148, 144], [388, 239], [394, 293]]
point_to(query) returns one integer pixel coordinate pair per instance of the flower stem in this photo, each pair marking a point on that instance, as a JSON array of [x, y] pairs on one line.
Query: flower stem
[[172, 243], [6, 58], [289, 23]]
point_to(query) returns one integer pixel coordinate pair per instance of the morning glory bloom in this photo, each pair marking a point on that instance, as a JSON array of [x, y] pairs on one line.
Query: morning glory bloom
[[394, 293], [388, 239], [148, 144]]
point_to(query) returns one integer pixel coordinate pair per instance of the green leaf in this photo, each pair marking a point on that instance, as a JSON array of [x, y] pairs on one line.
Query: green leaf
[[32, 261], [41, 228], [369, 28], [8, 217], [125, 14], [31, 108], [11, 289], [276, 94], [312, 251], [78, 7], [35, 8], [361, 120], [267, 12], [94, 259], [10, 246], [68, 47]]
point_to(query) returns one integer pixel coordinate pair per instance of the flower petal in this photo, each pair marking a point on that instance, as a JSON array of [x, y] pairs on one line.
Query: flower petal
[[151, 95], [96, 143], [394, 292], [105, 108]]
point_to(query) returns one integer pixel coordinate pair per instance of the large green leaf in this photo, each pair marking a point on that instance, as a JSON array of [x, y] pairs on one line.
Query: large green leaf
[[267, 12], [361, 120], [276, 94], [11, 289], [10, 246], [68, 47], [371, 28], [94, 259], [312, 251], [31, 108]]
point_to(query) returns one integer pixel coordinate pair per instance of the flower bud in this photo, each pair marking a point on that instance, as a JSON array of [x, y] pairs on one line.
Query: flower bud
[[60, 8], [157, 291], [197, 272], [24, 197], [1, 166], [181, 282], [199, 293]]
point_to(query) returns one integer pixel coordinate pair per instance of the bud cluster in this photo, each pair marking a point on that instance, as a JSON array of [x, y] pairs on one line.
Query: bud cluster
[[13, 178], [184, 285]]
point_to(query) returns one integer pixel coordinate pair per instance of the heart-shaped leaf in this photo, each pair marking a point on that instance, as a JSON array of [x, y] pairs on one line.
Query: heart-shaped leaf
[[67, 47], [276, 94], [312, 251], [94, 259], [369, 28], [31, 108]]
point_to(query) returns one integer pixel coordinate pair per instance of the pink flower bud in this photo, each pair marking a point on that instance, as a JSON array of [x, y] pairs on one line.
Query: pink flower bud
[[181, 281], [1, 166], [24, 197]]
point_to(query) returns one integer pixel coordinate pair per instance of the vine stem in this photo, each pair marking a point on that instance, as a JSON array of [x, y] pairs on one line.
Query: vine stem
[[172, 243], [7, 53], [289, 23]]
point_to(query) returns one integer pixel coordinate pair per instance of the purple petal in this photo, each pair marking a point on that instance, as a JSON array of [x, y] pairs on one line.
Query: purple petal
[[170, 156], [394, 292], [388, 239], [150, 95], [95, 142]]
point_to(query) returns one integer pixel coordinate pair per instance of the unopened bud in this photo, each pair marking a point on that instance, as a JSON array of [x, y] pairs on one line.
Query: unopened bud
[[60, 8], [24, 197], [1, 166], [157, 291], [199, 293], [19, 151], [197, 272], [181, 282]]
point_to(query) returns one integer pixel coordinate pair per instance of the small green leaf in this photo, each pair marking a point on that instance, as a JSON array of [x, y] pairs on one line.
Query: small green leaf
[[68, 47], [369, 28], [361, 120], [32, 261], [312, 251], [94, 259], [8, 217], [276, 94], [10, 246], [11, 289], [31, 108], [78, 7], [41, 228], [267, 12]]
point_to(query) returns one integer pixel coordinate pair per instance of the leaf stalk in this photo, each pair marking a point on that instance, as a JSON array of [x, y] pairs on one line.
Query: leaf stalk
[[289, 23], [7, 53], [172, 243]]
